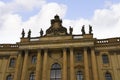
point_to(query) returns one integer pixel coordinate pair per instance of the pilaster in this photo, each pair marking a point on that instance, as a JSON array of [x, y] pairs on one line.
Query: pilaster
[[44, 72], [94, 65], [72, 73], [24, 70], [17, 69], [64, 64], [38, 66], [86, 66]]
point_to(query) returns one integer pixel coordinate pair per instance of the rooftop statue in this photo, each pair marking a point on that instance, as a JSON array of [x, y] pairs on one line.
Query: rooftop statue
[[23, 33], [90, 29], [29, 33], [56, 27], [41, 32], [83, 30], [71, 30]]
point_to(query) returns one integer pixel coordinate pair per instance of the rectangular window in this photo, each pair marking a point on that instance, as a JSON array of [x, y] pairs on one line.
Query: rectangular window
[[79, 57], [105, 59]]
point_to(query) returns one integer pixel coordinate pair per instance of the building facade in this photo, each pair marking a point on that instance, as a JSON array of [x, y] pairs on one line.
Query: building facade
[[59, 55]]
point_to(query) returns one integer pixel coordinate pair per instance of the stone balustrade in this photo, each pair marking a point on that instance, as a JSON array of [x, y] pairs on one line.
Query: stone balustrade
[[9, 45]]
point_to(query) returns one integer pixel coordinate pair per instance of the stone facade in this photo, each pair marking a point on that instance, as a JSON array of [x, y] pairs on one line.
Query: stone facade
[[59, 55]]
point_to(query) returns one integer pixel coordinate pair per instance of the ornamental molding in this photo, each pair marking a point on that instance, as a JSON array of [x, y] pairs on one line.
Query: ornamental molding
[[56, 45]]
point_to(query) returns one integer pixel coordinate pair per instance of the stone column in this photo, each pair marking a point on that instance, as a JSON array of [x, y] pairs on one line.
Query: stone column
[[72, 73], [115, 63], [86, 66], [3, 66], [17, 69], [94, 65], [38, 66], [64, 64], [24, 69], [44, 72]]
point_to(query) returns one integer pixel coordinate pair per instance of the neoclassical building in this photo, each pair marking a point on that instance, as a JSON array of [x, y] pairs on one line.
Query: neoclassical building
[[60, 55]]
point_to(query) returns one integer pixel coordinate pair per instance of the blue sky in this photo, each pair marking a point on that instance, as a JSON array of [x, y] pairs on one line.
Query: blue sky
[[103, 15], [75, 8], [80, 8]]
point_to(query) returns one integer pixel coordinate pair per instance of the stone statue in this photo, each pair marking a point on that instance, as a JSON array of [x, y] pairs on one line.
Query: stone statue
[[90, 29], [23, 33], [29, 33], [71, 30], [83, 30], [41, 32], [56, 27]]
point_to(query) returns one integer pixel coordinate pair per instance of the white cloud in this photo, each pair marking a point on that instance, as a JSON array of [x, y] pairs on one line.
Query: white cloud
[[29, 4], [12, 24], [42, 19], [105, 21]]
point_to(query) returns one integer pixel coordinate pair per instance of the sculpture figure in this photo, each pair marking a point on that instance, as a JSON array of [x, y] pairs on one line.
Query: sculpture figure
[[71, 30], [41, 32], [83, 30], [23, 33], [90, 29], [29, 33]]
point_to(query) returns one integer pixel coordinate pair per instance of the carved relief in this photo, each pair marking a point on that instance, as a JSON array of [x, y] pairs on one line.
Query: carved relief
[[56, 27]]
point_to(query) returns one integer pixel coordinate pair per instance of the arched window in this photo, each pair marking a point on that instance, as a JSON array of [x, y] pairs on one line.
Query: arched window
[[9, 77], [34, 59], [12, 62], [32, 76], [108, 76], [105, 59], [55, 73], [79, 75]]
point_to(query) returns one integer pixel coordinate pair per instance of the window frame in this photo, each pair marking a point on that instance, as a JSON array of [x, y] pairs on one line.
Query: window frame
[[32, 76], [79, 75], [105, 59], [12, 62], [79, 56], [108, 76], [9, 77], [34, 59], [55, 72]]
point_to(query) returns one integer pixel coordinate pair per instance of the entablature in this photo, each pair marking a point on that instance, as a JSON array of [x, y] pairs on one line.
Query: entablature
[[58, 44]]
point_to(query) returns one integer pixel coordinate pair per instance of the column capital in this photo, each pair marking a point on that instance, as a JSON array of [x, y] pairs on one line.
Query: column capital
[[39, 50], [71, 48], [64, 49]]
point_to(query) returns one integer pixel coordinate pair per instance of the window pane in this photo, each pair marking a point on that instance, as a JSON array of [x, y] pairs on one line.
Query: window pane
[[79, 75], [34, 59], [79, 57], [32, 76], [55, 73], [105, 59], [12, 62], [9, 77], [108, 76]]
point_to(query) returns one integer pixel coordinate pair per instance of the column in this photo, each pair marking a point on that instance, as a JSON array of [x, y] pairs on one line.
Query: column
[[24, 69], [17, 69], [72, 73], [64, 64], [86, 66], [115, 65], [44, 72], [3, 66], [94, 65], [38, 66]]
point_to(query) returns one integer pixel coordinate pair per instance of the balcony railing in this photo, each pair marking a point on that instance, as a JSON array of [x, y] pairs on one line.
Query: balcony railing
[[9, 45], [107, 41]]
